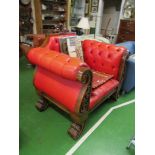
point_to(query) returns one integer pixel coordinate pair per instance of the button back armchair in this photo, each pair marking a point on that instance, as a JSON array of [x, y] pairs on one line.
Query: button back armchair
[[74, 86]]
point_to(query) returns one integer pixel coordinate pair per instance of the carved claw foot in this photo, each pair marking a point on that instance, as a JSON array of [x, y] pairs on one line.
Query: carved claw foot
[[41, 105], [75, 130]]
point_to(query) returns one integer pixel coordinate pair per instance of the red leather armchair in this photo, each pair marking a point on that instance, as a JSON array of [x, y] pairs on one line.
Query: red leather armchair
[[71, 84]]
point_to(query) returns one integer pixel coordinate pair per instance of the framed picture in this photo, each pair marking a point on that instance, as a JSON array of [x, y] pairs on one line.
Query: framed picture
[[94, 2], [71, 45], [94, 9]]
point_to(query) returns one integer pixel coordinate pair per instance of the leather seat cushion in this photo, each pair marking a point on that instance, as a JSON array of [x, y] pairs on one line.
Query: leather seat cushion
[[102, 91], [100, 78]]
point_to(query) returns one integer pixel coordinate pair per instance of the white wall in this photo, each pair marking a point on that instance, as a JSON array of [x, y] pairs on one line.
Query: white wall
[[99, 17], [114, 15]]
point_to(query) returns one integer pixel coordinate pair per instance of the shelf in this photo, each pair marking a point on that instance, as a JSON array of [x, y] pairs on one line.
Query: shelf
[[49, 31], [52, 11], [60, 2], [53, 22]]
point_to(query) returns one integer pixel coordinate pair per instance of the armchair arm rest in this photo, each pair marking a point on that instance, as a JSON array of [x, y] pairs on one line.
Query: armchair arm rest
[[58, 63]]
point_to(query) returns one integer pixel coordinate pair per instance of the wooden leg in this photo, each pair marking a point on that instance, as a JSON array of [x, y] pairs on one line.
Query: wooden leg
[[115, 96], [75, 130], [78, 125], [42, 104]]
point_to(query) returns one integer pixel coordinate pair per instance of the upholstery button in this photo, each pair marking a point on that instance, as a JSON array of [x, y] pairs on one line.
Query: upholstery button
[[99, 53], [109, 56], [118, 50], [102, 64]]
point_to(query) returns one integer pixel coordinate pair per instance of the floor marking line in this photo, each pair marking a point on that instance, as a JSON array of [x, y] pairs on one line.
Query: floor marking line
[[123, 104], [90, 131], [77, 145]]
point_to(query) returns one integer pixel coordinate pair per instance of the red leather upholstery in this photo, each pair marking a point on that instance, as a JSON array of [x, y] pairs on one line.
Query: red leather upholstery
[[64, 91], [57, 72], [54, 44], [68, 82], [58, 63], [103, 57], [102, 91]]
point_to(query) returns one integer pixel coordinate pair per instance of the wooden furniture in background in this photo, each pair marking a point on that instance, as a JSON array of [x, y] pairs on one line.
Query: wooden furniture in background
[[126, 30], [51, 16], [25, 19]]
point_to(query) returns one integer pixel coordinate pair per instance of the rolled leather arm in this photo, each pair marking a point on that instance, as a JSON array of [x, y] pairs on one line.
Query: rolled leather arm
[[58, 63]]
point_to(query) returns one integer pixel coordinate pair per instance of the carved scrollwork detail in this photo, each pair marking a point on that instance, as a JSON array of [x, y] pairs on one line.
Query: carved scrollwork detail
[[86, 99], [85, 76]]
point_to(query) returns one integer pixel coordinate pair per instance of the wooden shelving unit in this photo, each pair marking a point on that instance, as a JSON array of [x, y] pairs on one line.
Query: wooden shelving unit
[[51, 16]]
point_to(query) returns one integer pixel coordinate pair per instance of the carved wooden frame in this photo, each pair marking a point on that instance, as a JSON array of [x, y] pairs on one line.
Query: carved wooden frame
[[80, 115], [122, 70]]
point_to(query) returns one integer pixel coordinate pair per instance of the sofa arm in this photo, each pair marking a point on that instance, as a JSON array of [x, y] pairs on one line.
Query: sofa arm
[[58, 63], [56, 71]]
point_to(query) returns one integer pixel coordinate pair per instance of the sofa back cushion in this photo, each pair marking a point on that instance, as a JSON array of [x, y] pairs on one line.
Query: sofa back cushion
[[103, 57], [54, 43]]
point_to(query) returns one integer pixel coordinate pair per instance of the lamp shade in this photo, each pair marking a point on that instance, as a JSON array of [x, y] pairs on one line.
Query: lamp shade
[[83, 23]]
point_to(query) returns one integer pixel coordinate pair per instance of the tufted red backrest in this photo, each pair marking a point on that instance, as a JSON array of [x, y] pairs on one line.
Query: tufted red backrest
[[103, 57], [54, 44]]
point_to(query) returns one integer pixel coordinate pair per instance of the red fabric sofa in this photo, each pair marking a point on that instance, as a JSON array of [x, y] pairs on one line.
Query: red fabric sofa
[[74, 86]]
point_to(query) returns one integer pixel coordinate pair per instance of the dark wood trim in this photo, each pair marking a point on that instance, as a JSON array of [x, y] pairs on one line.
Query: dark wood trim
[[85, 77], [76, 129], [56, 103], [122, 69]]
